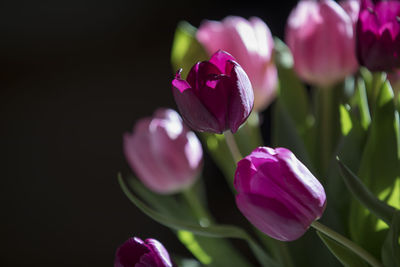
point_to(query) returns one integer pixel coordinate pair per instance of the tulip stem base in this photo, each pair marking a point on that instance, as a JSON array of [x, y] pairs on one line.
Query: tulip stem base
[[347, 243], [233, 147]]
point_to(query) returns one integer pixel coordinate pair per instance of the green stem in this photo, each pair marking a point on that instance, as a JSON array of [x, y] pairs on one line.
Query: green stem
[[197, 207], [233, 148], [347, 243]]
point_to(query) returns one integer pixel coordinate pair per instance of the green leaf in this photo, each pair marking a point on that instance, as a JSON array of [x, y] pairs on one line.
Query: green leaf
[[217, 231], [391, 247], [379, 171], [347, 257], [366, 198], [362, 100], [286, 135], [186, 50], [292, 92], [345, 120]]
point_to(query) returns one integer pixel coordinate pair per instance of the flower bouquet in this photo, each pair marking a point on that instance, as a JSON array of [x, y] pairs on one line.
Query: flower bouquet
[[328, 180]]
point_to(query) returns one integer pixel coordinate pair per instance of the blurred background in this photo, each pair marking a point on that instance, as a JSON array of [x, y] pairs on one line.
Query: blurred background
[[74, 76]]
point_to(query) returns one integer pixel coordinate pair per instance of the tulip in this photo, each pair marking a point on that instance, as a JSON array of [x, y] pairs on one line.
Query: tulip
[[139, 253], [378, 35], [216, 96], [277, 193], [250, 42], [321, 38], [165, 155], [352, 8]]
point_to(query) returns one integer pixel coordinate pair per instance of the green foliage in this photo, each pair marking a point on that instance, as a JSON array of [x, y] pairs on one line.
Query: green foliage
[[391, 247], [347, 257], [186, 50], [208, 240], [379, 170]]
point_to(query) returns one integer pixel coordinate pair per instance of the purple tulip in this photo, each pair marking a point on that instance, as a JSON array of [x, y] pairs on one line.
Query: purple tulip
[[216, 96], [165, 155], [250, 42], [277, 193], [321, 38], [138, 253], [378, 35]]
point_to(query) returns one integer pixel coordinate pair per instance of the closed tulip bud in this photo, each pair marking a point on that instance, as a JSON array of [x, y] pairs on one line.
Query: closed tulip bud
[[277, 193], [321, 38], [250, 42], [216, 96], [165, 155], [139, 253], [378, 35]]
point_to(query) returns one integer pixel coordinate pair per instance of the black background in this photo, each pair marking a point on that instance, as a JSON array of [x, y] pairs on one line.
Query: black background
[[74, 76]]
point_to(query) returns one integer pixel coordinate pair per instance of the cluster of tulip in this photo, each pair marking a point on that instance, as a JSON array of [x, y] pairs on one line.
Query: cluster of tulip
[[348, 53]]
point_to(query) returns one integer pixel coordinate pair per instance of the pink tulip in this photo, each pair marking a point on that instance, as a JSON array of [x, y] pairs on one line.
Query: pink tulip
[[352, 8], [321, 38], [250, 42], [216, 96], [165, 155], [277, 193]]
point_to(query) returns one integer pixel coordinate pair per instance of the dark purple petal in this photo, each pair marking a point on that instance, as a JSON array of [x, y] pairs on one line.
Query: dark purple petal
[[130, 252], [241, 98], [194, 112]]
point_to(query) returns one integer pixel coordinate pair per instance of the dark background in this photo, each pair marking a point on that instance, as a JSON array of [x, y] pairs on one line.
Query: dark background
[[74, 76]]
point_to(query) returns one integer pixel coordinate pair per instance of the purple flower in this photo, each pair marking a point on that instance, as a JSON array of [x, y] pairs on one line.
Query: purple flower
[[138, 253], [216, 96], [277, 193], [321, 38], [165, 155], [378, 35], [250, 42]]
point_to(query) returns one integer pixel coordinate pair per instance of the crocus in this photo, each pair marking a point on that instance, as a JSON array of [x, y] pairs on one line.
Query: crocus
[[216, 96], [139, 253], [277, 193], [378, 35], [321, 38], [250, 42], [165, 155]]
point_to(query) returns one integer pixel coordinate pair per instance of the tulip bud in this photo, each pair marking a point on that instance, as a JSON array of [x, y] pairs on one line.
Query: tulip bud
[[277, 193], [378, 35], [165, 155], [321, 38], [216, 96], [136, 252], [250, 42]]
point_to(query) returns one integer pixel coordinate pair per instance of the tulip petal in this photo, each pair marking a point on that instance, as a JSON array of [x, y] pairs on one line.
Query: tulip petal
[[129, 253], [242, 97], [271, 217], [194, 112], [220, 59]]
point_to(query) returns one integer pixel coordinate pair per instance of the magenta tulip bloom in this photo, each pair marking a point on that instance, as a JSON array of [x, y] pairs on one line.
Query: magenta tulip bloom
[[321, 37], [250, 42], [165, 155], [138, 253], [277, 193], [378, 35], [216, 96]]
